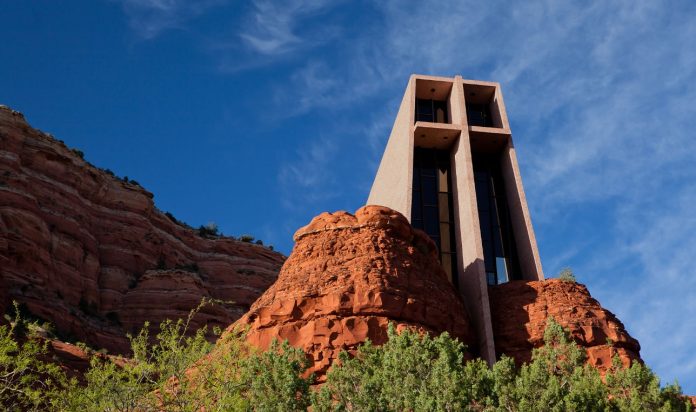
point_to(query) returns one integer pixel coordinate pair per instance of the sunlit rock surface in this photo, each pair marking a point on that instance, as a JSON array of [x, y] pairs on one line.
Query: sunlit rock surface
[[350, 275], [520, 310], [91, 253]]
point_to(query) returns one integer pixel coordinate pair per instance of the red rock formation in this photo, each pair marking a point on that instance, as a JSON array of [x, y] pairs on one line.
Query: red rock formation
[[520, 310], [72, 360], [347, 278], [81, 248]]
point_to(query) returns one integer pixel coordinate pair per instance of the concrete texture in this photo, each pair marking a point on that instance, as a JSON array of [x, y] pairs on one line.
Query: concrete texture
[[392, 186]]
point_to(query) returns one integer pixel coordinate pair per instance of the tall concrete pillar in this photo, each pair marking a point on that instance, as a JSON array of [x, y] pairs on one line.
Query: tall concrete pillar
[[478, 199]]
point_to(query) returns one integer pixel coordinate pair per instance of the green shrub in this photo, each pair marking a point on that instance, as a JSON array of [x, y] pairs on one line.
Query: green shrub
[[179, 371], [27, 381], [170, 372], [567, 275], [414, 372], [246, 238], [209, 230], [409, 372], [172, 218], [637, 388], [79, 153]]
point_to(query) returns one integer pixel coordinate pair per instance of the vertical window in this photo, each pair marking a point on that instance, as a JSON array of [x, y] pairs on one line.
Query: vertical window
[[497, 241], [479, 115], [424, 110], [431, 208], [434, 111]]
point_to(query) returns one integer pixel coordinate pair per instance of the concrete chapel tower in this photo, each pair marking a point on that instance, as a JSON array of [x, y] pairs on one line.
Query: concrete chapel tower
[[450, 168]]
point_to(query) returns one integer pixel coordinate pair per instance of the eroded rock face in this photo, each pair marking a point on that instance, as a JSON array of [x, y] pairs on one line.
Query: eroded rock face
[[520, 310], [92, 254], [347, 278]]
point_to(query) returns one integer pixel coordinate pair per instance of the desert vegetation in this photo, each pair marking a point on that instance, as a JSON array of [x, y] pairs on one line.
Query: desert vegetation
[[181, 371]]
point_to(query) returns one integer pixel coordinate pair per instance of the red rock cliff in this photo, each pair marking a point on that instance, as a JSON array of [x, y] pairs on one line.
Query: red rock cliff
[[84, 250], [520, 310], [347, 278]]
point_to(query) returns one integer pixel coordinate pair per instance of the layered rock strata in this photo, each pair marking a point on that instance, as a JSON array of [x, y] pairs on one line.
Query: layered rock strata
[[92, 254], [350, 275], [520, 311]]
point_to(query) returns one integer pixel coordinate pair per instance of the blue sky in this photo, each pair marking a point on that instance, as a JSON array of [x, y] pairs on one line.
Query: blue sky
[[259, 115]]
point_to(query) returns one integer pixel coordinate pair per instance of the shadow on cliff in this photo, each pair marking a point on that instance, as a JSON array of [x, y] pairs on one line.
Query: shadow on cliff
[[509, 316]]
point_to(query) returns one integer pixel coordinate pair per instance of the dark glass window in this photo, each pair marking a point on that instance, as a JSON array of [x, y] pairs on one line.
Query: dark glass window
[[431, 208], [499, 249], [479, 115], [434, 111]]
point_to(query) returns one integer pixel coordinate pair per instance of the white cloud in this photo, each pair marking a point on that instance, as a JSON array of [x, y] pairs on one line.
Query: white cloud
[[657, 266], [305, 178], [273, 28], [148, 18], [601, 99]]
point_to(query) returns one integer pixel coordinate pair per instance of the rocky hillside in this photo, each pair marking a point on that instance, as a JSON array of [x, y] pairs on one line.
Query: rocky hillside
[[347, 278], [520, 309], [92, 254]]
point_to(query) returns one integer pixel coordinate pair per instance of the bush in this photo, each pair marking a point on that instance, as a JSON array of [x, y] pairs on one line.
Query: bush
[[414, 372], [209, 230], [79, 153], [27, 382], [172, 218], [179, 371], [167, 374], [409, 372], [567, 275], [246, 238]]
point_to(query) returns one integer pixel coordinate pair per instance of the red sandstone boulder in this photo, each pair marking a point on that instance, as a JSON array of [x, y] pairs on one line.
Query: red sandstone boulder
[[520, 310], [347, 278], [72, 359], [92, 254]]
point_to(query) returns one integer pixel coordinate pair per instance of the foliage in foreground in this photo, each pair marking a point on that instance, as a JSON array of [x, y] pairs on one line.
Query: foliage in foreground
[[27, 381], [409, 372], [172, 372], [414, 372]]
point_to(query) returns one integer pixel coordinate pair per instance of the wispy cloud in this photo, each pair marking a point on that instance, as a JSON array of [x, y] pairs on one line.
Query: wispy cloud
[[656, 264], [273, 27], [305, 177], [600, 95], [149, 18], [601, 99]]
